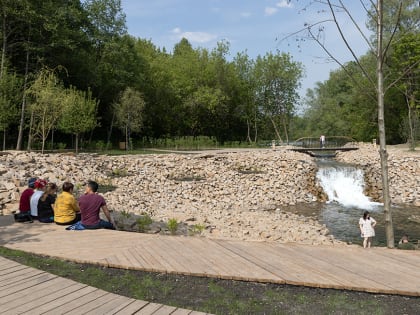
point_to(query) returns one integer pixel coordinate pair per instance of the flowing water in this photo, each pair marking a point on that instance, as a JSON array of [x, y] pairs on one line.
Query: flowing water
[[344, 185]]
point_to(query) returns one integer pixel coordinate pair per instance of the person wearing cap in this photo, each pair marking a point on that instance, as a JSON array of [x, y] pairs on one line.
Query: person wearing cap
[[39, 190], [90, 205], [66, 209], [25, 198], [24, 214]]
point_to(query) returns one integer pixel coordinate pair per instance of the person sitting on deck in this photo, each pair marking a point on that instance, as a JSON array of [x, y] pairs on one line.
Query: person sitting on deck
[[90, 205], [66, 209], [25, 203], [39, 191], [46, 204]]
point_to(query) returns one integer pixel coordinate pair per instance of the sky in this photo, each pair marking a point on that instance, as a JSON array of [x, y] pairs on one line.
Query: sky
[[254, 26]]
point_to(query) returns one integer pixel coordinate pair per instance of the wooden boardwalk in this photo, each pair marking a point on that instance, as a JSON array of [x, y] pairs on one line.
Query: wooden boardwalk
[[25, 290], [377, 270]]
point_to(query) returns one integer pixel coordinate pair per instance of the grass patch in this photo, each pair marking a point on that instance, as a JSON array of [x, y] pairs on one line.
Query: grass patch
[[220, 296]]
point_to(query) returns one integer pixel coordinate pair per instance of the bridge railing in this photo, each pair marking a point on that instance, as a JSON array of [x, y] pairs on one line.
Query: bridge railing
[[330, 142]]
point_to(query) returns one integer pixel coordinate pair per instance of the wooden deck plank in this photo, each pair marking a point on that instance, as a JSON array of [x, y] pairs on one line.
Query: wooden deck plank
[[181, 311], [18, 276], [111, 306], [195, 263], [70, 297], [244, 267], [34, 305], [364, 265], [78, 302], [132, 308], [25, 284], [165, 310], [154, 259], [346, 278], [95, 304], [149, 309], [31, 294]]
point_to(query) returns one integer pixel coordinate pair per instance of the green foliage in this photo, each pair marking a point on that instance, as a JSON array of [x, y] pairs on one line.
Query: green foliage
[[129, 112], [10, 85], [78, 113], [47, 92], [143, 222], [197, 229], [172, 226]]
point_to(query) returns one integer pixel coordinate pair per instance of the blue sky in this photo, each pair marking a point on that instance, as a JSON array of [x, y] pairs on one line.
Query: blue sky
[[255, 26]]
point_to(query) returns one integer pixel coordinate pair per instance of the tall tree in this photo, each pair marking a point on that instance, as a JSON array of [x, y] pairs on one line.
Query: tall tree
[[129, 113], [277, 78], [10, 90], [46, 109], [79, 111]]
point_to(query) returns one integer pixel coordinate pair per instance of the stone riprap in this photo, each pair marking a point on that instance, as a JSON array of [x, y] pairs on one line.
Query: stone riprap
[[233, 195], [404, 172]]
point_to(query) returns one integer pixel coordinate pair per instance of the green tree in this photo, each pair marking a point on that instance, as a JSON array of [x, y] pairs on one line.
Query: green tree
[[47, 92], [10, 90], [277, 78], [78, 113], [129, 113], [406, 65]]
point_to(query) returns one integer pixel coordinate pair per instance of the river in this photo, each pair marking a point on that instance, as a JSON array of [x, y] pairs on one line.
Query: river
[[344, 185]]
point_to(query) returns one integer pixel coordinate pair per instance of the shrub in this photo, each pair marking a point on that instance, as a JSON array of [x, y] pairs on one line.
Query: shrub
[[143, 222], [172, 226]]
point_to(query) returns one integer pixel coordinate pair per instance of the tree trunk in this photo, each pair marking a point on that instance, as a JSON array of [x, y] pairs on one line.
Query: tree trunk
[[4, 46], [108, 140], [285, 130], [276, 130], [4, 139], [248, 134], [30, 132], [381, 124], [412, 138], [255, 129], [126, 138], [23, 107], [77, 143]]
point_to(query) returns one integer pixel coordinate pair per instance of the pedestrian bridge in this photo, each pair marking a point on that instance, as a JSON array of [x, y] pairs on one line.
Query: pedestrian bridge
[[330, 147]]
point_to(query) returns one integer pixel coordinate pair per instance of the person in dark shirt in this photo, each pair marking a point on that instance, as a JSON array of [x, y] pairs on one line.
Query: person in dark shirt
[[24, 214], [46, 204], [90, 205]]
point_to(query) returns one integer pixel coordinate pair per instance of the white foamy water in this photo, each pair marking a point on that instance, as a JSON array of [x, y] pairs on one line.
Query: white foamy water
[[344, 185]]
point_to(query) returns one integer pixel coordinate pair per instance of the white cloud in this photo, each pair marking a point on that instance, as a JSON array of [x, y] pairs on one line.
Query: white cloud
[[176, 30], [284, 4], [246, 14], [270, 11], [194, 37]]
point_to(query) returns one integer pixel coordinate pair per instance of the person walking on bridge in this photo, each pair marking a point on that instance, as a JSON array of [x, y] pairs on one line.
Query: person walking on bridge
[[322, 141]]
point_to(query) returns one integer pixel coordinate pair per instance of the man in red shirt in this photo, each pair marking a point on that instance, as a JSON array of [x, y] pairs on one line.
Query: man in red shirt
[[25, 202], [90, 205], [25, 198]]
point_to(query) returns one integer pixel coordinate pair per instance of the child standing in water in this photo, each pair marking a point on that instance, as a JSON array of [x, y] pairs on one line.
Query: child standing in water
[[367, 231]]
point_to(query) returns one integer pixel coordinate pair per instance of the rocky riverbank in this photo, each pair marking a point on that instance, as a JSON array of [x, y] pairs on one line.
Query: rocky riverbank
[[404, 172], [233, 195]]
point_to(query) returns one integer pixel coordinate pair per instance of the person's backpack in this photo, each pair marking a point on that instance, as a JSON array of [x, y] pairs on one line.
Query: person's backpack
[[23, 217]]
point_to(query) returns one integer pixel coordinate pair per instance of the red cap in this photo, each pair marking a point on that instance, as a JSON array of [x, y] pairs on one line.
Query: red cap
[[40, 183]]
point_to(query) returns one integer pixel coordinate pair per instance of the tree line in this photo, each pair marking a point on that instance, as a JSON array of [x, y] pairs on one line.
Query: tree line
[[70, 73], [69, 67]]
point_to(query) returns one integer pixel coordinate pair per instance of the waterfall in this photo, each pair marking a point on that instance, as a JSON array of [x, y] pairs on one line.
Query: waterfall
[[344, 184]]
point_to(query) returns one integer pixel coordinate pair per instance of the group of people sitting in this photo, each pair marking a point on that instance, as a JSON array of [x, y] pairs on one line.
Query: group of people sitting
[[40, 202]]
